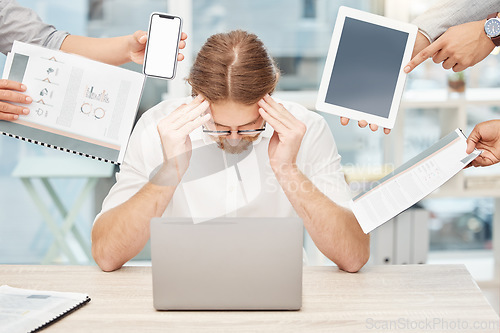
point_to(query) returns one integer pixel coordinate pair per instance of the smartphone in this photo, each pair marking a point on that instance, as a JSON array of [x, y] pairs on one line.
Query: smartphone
[[162, 47]]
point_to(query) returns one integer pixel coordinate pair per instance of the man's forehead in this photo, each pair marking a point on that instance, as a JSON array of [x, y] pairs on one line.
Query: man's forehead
[[236, 124], [232, 114]]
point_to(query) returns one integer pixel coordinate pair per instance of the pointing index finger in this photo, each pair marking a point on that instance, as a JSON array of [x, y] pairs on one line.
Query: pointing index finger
[[423, 55]]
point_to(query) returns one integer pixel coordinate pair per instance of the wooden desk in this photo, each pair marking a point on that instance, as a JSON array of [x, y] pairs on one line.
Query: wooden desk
[[332, 300]]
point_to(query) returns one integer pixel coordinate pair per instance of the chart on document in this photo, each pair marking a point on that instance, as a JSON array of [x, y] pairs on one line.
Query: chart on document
[[79, 105]]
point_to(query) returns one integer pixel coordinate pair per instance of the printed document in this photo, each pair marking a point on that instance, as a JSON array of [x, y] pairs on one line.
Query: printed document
[[411, 182], [79, 105], [24, 310]]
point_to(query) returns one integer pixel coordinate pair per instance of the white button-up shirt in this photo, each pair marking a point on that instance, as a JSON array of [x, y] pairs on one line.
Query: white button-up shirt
[[221, 184]]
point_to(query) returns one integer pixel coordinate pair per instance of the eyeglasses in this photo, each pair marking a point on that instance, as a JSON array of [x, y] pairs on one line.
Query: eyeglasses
[[239, 132]]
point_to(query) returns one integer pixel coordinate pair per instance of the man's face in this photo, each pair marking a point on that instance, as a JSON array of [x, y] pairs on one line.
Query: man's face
[[234, 117]]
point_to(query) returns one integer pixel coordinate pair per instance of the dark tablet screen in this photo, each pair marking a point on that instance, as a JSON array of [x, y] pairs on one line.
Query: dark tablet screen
[[366, 67]]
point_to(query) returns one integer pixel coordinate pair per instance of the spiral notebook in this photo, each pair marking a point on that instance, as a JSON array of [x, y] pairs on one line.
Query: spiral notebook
[[24, 310], [79, 105]]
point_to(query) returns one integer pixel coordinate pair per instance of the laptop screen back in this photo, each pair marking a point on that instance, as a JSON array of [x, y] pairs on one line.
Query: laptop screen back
[[227, 264]]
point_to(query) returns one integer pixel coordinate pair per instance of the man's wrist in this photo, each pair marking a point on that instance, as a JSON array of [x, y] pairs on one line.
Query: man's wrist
[[292, 180], [285, 169], [491, 28], [426, 35], [287, 174], [165, 175]]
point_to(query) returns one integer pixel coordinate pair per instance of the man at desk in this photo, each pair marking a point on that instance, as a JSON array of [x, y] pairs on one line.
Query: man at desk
[[286, 160]]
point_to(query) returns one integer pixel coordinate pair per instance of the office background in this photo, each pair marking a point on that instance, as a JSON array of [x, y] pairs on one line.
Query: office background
[[297, 32]]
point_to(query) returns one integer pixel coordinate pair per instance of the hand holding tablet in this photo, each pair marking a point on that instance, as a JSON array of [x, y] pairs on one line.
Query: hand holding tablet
[[363, 77], [363, 123]]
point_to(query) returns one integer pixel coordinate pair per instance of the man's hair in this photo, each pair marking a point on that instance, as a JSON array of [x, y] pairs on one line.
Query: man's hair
[[233, 66]]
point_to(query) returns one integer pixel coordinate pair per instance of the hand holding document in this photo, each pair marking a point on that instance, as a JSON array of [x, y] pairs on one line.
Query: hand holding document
[[79, 105], [412, 181]]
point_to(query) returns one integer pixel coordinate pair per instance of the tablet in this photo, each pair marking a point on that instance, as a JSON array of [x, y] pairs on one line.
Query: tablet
[[363, 77]]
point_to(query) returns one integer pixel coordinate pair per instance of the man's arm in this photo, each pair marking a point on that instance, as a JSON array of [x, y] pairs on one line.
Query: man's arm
[[120, 233], [334, 229], [23, 24], [448, 13], [456, 32], [115, 50], [460, 47]]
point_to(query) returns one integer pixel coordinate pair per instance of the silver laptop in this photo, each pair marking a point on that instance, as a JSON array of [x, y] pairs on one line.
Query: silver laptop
[[227, 264]]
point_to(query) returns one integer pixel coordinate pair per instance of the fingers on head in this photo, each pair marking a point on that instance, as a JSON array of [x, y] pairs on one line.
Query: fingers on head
[[197, 111]]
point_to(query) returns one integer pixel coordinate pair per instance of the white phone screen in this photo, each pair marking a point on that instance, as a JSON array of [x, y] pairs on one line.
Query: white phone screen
[[163, 45]]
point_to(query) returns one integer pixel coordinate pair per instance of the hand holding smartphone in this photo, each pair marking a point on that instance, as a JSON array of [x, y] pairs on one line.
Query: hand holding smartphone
[[162, 48]]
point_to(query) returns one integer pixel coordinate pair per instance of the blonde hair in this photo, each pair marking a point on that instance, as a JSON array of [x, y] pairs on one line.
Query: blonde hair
[[233, 66]]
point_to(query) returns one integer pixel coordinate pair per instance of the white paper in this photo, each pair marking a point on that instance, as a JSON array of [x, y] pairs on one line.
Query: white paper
[[77, 97], [23, 310], [411, 182]]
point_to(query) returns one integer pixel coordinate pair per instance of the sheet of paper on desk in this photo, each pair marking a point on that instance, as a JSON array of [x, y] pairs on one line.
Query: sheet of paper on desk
[[24, 310], [412, 181]]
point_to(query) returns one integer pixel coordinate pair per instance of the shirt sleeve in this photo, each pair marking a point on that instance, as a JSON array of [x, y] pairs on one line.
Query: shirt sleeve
[[448, 13], [23, 24], [321, 162]]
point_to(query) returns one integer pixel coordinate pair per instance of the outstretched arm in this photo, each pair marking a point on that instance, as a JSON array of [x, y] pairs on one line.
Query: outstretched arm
[[458, 48], [115, 50]]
